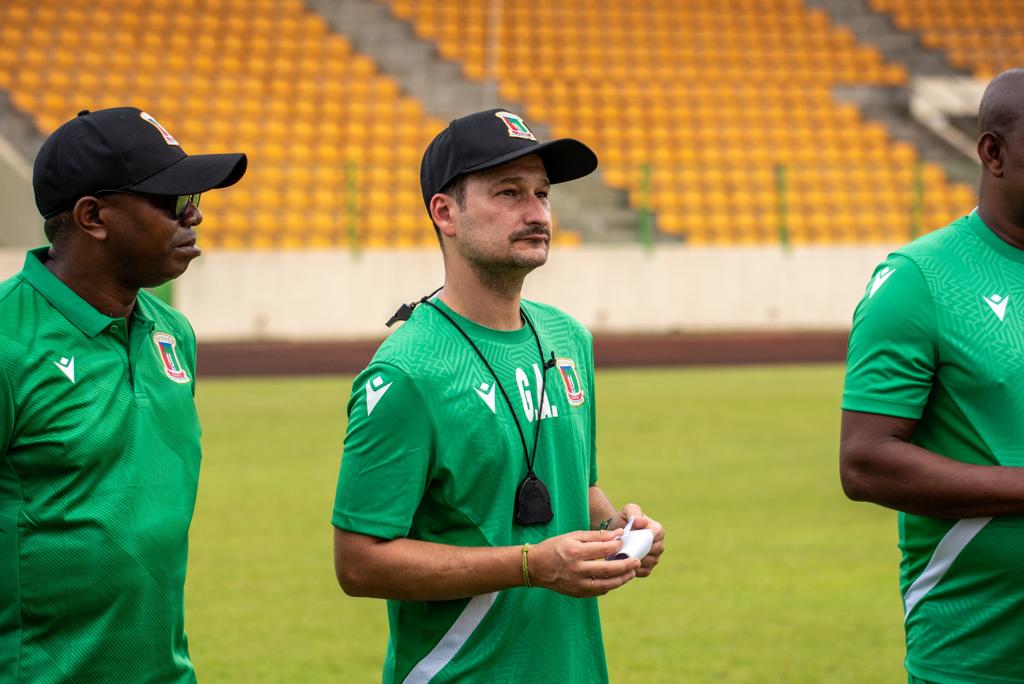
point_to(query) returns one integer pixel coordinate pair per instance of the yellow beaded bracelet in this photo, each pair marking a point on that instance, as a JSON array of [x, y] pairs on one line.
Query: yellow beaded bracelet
[[526, 566]]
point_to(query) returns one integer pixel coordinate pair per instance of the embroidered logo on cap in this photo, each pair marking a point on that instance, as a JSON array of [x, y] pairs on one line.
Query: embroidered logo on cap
[[516, 127], [168, 138]]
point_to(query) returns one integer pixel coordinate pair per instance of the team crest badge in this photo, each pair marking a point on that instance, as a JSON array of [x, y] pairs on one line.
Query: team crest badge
[[167, 347], [573, 386], [168, 138], [516, 127]]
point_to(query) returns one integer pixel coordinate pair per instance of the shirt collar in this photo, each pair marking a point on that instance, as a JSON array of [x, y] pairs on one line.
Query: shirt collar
[[82, 314], [989, 237]]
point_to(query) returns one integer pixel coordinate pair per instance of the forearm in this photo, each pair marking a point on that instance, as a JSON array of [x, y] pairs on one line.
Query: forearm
[[600, 507], [412, 570], [908, 478]]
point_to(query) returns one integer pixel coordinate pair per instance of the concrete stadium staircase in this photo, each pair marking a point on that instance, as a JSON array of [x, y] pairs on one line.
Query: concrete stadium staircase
[[19, 141], [876, 28], [891, 106], [599, 212]]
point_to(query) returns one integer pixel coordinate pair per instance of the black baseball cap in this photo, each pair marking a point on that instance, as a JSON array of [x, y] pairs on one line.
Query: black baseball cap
[[479, 141], [122, 149]]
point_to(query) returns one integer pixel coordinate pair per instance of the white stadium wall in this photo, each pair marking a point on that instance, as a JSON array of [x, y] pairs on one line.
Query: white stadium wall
[[22, 223], [333, 295]]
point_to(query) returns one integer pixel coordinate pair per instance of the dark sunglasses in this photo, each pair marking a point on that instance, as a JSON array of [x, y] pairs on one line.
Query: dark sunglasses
[[181, 203], [175, 205]]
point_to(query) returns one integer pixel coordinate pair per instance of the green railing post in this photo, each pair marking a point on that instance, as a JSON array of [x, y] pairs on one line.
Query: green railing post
[[352, 206], [645, 215], [781, 205]]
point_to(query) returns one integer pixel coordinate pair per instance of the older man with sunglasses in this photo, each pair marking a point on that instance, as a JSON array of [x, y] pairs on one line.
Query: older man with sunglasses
[[99, 437]]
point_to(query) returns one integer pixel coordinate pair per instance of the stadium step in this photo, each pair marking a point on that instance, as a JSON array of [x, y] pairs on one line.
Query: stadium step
[[19, 141], [599, 212], [891, 105], [877, 28]]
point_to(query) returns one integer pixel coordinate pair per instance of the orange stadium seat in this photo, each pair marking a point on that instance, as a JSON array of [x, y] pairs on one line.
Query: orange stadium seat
[[692, 107], [985, 37], [266, 77], [713, 96]]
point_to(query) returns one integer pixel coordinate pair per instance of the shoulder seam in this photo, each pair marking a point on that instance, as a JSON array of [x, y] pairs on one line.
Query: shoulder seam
[[419, 394], [931, 297], [10, 292], [412, 380]]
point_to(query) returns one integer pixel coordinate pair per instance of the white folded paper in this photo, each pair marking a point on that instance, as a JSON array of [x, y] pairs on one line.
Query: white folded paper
[[635, 543]]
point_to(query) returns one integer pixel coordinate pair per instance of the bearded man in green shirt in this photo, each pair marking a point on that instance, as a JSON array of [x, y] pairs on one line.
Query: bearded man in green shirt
[[468, 489], [933, 417], [99, 437]]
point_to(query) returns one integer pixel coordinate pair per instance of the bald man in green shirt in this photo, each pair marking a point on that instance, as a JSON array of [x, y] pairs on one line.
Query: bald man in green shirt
[[99, 437], [932, 415]]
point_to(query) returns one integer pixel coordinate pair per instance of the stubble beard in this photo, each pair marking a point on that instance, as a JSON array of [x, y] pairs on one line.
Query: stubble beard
[[503, 275]]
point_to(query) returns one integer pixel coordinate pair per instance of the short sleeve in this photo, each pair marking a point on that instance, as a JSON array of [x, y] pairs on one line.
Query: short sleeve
[[387, 455], [893, 345]]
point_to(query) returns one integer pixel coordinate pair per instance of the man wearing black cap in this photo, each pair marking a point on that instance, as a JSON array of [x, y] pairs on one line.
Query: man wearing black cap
[[99, 438], [468, 483]]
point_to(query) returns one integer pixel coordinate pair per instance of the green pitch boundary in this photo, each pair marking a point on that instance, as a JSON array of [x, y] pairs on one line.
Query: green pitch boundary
[[317, 358]]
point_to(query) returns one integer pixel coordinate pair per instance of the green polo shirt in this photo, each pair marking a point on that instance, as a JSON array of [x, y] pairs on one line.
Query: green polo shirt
[[99, 462], [433, 453], [939, 338]]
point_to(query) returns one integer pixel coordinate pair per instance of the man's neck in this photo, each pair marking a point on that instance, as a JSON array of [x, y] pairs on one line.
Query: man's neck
[[104, 295], [1000, 220], [492, 302]]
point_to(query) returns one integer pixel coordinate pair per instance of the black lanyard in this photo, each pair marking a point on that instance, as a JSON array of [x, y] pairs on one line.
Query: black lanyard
[[533, 501]]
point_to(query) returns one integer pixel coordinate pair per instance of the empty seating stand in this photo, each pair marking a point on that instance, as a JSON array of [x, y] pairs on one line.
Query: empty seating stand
[[334, 146], [715, 114], [984, 37]]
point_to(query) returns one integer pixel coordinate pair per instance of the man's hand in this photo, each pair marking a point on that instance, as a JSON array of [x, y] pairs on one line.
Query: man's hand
[[641, 522], [574, 563]]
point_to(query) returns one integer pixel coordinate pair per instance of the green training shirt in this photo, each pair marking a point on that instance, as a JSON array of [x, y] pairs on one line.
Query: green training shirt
[[432, 453], [939, 337], [99, 462]]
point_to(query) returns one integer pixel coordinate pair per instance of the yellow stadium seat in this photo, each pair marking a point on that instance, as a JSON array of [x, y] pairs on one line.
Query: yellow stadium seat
[[662, 83]]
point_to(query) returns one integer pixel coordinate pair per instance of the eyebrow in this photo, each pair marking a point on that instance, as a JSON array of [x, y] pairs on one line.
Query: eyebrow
[[518, 179]]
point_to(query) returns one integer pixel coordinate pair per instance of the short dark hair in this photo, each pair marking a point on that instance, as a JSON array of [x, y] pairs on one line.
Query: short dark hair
[[456, 188], [58, 227]]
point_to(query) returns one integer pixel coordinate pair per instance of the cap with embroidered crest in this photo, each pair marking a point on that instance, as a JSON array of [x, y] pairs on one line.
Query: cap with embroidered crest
[[118, 150], [479, 141]]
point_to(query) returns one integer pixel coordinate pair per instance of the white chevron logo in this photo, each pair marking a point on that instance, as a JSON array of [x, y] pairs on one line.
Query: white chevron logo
[[486, 392], [374, 393], [880, 279], [67, 367], [998, 304]]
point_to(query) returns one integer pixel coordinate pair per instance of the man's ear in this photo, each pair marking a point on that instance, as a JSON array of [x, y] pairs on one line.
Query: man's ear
[[88, 216], [443, 209], [990, 152]]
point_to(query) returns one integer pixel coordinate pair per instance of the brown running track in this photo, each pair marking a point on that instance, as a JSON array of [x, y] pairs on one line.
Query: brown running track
[[610, 351]]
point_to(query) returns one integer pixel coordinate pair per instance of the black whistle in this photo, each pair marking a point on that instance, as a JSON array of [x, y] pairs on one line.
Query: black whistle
[[402, 314], [405, 310]]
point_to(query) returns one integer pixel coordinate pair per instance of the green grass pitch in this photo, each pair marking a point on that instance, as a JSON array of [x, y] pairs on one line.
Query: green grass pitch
[[770, 574]]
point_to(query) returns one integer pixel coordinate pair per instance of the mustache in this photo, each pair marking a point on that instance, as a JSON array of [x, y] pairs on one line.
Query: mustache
[[530, 232]]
